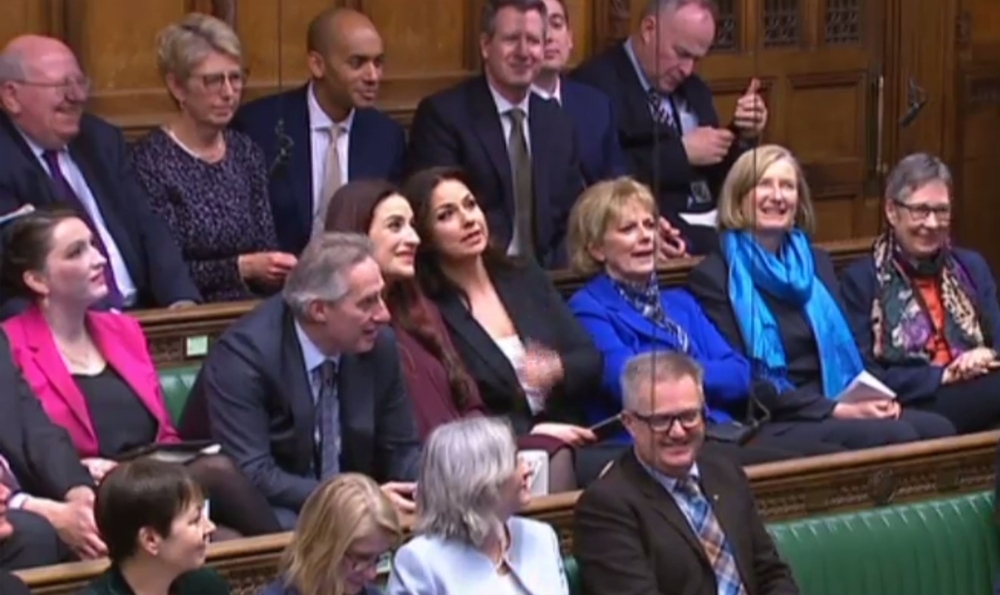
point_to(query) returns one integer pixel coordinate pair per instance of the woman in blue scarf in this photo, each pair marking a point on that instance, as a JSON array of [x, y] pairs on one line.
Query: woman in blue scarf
[[614, 238], [775, 297]]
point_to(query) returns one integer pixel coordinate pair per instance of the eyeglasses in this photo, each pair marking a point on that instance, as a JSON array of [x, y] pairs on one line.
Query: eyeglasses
[[664, 422], [73, 83], [922, 212], [360, 563], [214, 82]]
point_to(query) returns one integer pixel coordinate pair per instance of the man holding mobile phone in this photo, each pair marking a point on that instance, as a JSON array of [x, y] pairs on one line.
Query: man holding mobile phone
[[676, 143]]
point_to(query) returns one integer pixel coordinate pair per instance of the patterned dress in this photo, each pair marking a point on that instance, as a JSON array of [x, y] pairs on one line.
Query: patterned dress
[[216, 211]]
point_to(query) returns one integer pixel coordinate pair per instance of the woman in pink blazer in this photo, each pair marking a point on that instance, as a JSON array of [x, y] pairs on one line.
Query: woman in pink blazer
[[92, 370]]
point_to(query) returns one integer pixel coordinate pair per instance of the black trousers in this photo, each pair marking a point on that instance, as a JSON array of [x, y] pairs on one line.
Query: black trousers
[[851, 434], [33, 543], [972, 405]]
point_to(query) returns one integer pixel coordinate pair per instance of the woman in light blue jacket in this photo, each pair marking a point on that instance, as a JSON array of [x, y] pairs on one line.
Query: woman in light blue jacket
[[468, 538]]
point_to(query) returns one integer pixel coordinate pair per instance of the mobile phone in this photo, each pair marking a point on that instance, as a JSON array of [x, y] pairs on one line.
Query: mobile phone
[[607, 428]]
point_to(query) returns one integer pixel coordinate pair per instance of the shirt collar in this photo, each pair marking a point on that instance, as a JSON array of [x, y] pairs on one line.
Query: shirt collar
[[504, 106], [556, 94], [311, 354], [643, 79], [318, 119], [670, 483], [36, 149]]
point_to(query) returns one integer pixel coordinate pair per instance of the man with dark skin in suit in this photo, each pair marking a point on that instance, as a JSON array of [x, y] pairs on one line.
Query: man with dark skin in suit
[[345, 60]]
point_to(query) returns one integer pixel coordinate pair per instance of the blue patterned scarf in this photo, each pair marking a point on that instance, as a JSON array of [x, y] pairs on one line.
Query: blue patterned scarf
[[790, 277], [646, 300]]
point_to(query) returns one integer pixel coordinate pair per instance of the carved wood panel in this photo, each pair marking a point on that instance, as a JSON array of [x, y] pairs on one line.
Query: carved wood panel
[[782, 23], [842, 21], [727, 35]]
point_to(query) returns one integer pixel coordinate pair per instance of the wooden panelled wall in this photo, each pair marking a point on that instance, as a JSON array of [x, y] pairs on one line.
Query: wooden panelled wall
[[835, 74]]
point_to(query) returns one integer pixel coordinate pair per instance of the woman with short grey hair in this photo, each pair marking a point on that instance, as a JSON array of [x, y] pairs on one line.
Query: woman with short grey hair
[[207, 181], [924, 309], [471, 486]]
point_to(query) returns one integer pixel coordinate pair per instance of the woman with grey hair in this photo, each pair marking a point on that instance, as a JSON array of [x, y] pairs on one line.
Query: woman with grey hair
[[471, 485], [924, 309], [209, 183]]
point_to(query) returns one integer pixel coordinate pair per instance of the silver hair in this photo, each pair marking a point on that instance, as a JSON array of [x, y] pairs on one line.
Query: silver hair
[[321, 271], [464, 468], [646, 370], [912, 173], [12, 66], [658, 7]]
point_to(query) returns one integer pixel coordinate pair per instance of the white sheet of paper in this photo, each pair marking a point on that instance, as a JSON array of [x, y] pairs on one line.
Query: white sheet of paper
[[865, 387]]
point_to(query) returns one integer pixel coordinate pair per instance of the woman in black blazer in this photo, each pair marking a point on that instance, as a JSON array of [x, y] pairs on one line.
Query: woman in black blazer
[[531, 360], [775, 297]]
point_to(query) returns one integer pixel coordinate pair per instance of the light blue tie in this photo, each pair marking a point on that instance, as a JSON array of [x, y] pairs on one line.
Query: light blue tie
[[328, 420]]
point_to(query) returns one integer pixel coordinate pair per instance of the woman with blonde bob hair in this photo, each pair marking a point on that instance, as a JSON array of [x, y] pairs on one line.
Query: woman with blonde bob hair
[[613, 238], [345, 528], [776, 298], [472, 483]]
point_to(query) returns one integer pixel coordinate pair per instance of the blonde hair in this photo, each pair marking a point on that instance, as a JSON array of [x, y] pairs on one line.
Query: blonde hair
[[338, 513], [598, 208], [183, 45], [735, 213]]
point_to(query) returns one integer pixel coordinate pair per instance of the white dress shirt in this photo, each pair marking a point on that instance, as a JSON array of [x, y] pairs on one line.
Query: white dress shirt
[[74, 176], [313, 359], [556, 94], [504, 106], [319, 141]]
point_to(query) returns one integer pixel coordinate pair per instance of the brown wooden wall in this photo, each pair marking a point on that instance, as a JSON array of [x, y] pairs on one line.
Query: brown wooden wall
[[835, 74]]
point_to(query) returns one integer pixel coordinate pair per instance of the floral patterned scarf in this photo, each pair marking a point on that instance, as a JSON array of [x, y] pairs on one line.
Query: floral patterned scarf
[[647, 301], [901, 325]]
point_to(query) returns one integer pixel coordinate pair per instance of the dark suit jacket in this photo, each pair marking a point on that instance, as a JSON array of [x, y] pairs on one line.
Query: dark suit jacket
[[150, 253], [40, 453], [613, 73], [11, 585], [630, 538], [540, 315], [601, 155], [376, 146], [709, 282], [260, 407], [461, 127], [915, 381]]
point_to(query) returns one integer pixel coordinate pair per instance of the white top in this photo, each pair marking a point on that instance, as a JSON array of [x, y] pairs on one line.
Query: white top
[[319, 144], [513, 349]]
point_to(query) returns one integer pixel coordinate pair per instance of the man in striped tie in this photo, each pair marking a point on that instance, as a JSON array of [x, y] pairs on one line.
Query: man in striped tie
[[669, 517]]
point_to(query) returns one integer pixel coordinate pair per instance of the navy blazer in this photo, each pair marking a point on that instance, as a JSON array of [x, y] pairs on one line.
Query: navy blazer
[[279, 124], [254, 393], [151, 255], [915, 381], [601, 156], [622, 332], [612, 72], [461, 127]]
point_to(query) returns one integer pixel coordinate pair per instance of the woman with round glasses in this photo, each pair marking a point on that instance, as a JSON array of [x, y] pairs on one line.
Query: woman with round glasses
[[345, 528], [926, 310], [207, 181]]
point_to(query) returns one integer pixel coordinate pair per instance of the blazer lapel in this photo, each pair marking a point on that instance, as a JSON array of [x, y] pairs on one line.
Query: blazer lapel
[[296, 117], [292, 376], [537, 128], [661, 501], [42, 181], [128, 367], [355, 397], [461, 322], [636, 105], [50, 362], [489, 130], [728, 516], [604, 292]]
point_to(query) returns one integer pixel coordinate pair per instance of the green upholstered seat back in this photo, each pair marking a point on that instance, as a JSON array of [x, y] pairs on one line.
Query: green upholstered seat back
[[572, 575], [177, 383], [941, 547]]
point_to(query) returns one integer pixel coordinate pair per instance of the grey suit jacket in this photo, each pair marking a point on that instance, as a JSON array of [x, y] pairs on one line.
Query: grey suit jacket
[[253, 396], [429, 565]]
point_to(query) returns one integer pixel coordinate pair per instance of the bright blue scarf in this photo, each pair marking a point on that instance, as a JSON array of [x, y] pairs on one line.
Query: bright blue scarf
[[790, 277]]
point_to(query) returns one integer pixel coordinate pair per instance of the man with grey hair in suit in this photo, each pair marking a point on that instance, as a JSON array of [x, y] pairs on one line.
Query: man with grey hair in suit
[[669, 517], [308, 385]]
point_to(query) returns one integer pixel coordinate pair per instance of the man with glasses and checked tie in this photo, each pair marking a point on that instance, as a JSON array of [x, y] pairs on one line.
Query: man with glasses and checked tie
[[667, 517], [55, 154]]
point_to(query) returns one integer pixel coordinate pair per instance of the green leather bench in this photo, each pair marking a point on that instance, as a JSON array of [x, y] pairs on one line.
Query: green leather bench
[[177, 383], [940, 547]]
